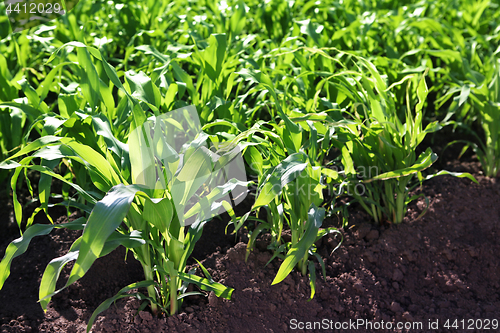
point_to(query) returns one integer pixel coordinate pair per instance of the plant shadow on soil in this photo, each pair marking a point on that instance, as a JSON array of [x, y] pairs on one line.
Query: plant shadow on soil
[[441, 266]]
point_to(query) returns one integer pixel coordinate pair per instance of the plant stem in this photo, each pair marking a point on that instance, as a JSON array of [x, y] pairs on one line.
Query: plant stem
[[173, 294], [400, 208], [304, 265], [148, 274]]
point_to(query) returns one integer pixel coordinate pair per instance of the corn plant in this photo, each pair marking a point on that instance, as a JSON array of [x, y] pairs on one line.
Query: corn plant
[[486, 99], [156, 207], [291, 193], [387, 147], [288, 163], [479, 103]]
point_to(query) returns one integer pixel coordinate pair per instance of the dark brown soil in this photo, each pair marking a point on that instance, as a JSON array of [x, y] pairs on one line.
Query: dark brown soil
[[442, 266]]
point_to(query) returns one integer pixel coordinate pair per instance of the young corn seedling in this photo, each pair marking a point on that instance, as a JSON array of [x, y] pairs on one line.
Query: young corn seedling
[[387, 146], [486, 98], [176, 184], [291, 193], [481, 99], [291, 189]]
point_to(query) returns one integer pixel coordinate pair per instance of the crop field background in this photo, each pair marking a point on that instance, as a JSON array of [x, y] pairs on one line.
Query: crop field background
[[263, 166]]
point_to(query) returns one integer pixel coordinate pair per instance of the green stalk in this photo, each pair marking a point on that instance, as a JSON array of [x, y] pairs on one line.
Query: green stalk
[[400, 200], [173, 294], [172, 282], [164, 288], [490, 160], [148, 274], [400, 203], [375, 213], [277, 222], [374, 208], [390, 206], [294, 226], [303, 264]]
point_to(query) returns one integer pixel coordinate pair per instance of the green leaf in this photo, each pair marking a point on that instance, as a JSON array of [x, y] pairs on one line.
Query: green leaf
[[255, 160], [464, 95], [103, 128], [176, 251], [89, 81], [334, 175], [299, 250], [312, 278], [195, 171], [184, 77], [238, 19], [20, 245], [454, 174], [253, 237], [29, 110], [106, 216], [205, 272], [54, 268], [284, 173], [44, 185], [214, 55], [144, 89], [159, 212], [32, 146], [52, 272], [205, 284], [193, 235], [425, 160]]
